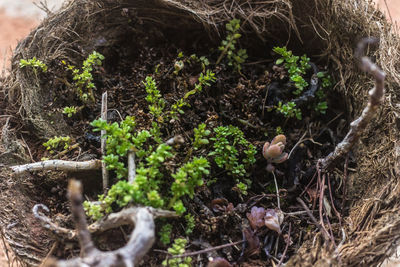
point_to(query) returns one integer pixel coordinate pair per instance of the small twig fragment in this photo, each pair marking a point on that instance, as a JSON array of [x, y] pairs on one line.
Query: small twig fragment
[[131, 166], [321, 229], [104, 171], [58, 165], [46, 222]]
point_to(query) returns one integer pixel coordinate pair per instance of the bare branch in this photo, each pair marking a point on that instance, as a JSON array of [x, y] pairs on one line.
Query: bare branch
[[104, 171], [324, 233], [358, 126], [141, 240], [58, 165], [124, 217]]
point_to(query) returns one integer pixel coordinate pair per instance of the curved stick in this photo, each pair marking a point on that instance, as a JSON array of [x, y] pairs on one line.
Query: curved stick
[[141, 240], [376, 96]]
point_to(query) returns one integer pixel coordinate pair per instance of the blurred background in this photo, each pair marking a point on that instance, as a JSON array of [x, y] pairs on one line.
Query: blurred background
[[17, 18]]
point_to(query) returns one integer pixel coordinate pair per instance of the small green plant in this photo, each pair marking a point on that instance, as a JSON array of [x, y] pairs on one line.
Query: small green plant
[[83, 78], [200, 136], [289, 110], [165, 234], [178, 248], [190, 224], [70, 111], [157, 103], [326, 79], [202, 60], [232, 152], [145, 189], [94, 209], [204, 80], [34, 64], [295, 68], [186, 179], [228, 46], [326, 83], [278, 130], [56, 142]]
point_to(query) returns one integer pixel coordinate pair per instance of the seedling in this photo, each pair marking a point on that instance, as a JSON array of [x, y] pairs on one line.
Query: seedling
[[56, 142], [165, 233], [232, 152], [178, 248], [70, 111], [200, 136], [289, 110], [204, 81], [295, 68], [83, 79], [34, 64], [228, 46]]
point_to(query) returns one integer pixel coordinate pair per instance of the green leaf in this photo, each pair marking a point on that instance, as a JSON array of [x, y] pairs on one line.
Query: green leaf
[[279, 61]]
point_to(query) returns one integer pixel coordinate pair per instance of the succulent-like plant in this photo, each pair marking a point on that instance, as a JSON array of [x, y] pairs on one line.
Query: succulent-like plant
[[273, 152]]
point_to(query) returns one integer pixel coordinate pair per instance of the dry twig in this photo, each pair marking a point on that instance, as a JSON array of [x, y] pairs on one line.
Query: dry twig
[[58, 165], [141, 239], [104, 171], [321, 229], [286, 247], [359, 125], [131, 166]]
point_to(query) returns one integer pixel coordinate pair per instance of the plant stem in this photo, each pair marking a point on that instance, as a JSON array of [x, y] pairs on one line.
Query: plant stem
[[104, 171], [277, 192]]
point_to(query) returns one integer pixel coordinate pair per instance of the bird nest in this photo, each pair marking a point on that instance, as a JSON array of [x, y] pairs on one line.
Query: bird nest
[[367, 227]]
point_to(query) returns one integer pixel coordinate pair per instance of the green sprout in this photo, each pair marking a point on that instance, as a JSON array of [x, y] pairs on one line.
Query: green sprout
[[56, 142], [204, 81], [228, 46], [289, 110], [165, 233], [70, 111], [34, 64], [178, 248], [83, 78], [200, 136], [190, 224], [232, 152], [295, 68]]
